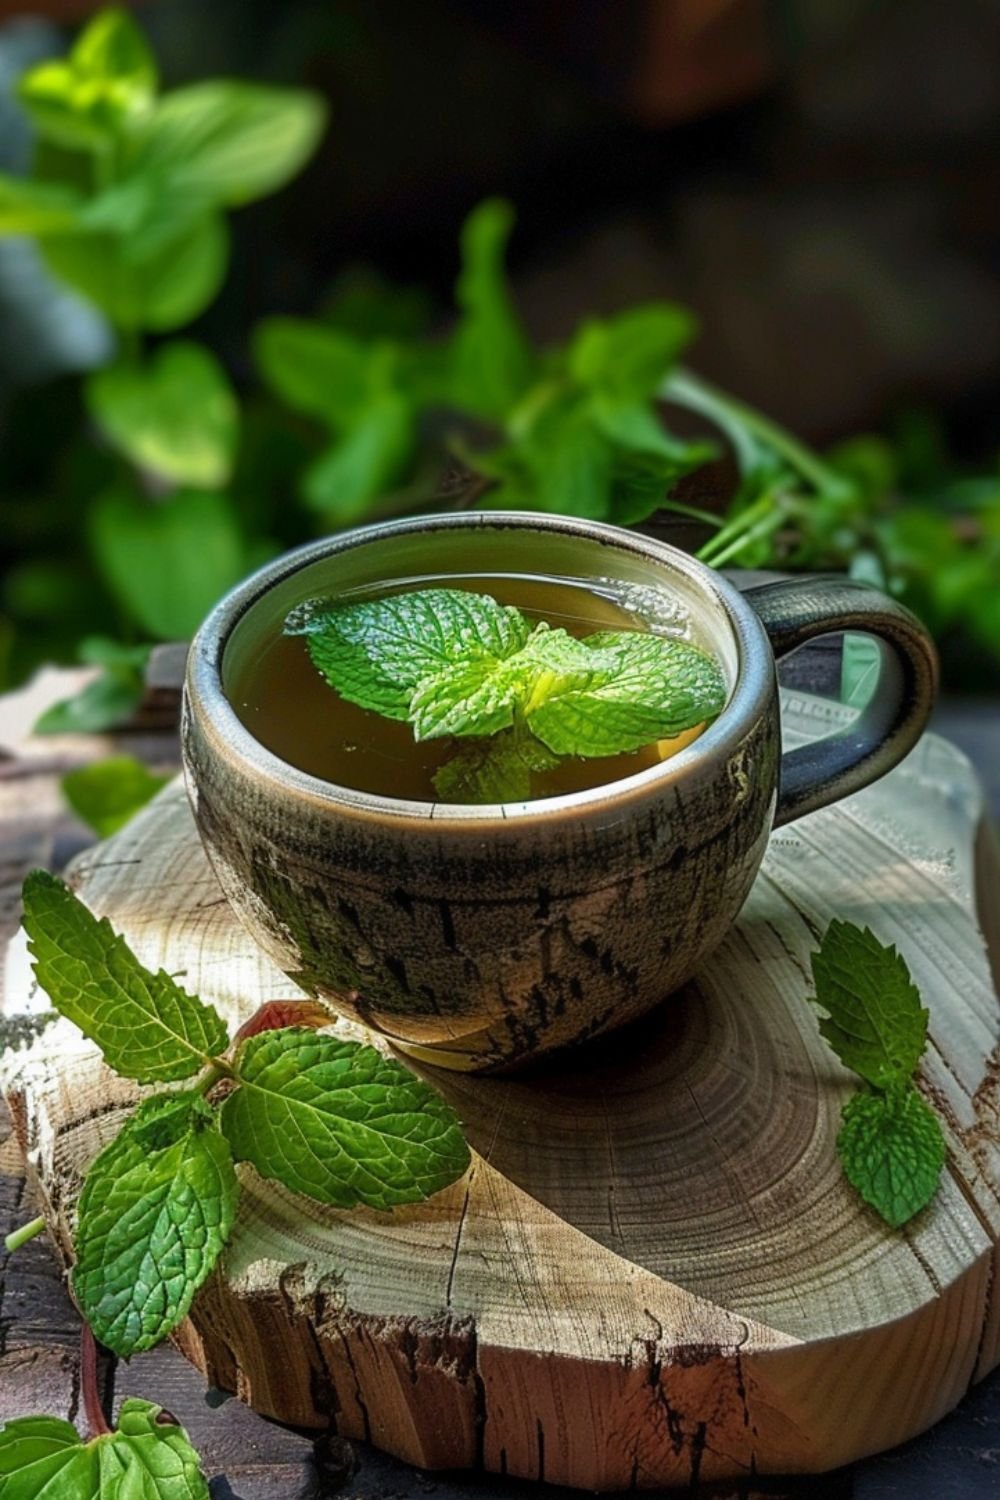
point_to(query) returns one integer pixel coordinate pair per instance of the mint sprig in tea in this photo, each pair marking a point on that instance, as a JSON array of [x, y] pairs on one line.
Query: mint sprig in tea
[[485, 688]]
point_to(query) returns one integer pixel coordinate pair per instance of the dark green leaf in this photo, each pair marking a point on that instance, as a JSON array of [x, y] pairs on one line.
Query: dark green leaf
[[499, 769], [874, 1020], [108, 701], [176, 416], [147, 1027], [892, 1151], [108, 793], [340, 1122], [167, 561], [156, 1209]]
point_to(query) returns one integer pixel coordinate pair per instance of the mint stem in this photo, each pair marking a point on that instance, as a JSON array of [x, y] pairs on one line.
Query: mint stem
[[96, 1419], [19, 1237]]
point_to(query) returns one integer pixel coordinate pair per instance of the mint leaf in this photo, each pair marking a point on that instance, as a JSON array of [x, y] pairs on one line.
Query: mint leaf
[[892, 1151], [107, 82], [148, 1457], [366, 462], [110, 792], [340, 1122], [175, 416], [376, 653], [108, 701], [494, 770], [644, 687], [147, 1027], [630, 355], [491, 359], [156, 1209], [43, 1458], [874, 1020]]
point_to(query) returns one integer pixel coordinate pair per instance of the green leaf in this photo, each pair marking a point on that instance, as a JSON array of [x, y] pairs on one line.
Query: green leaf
[[491, 359], [147, 1027], [572, 470], [148, 1457], [176, 416], [160, 291], [167, 561], [892, 1151], [232, 142], [629, 356], [646, 687], [107, 794], [317, 370], [376, 653], [156, 1209], [43, 1458], [364, 464], [106, 84], [38, 208], [340, 1122], [108, 701], [494, 770], [874, 1020]]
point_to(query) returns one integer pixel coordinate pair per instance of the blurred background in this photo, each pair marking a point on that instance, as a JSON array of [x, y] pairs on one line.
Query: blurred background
[[816, 180]]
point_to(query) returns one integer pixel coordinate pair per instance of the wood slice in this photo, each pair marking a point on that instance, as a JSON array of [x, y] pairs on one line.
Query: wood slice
[[654, 1271]]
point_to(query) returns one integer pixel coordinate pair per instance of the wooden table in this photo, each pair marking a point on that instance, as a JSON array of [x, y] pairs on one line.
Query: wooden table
[[250, 1458]]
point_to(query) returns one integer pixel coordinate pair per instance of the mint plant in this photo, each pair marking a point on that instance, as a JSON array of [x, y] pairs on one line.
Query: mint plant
[[329, 1118], [890, 1143], [147, 1457], [455, 663]]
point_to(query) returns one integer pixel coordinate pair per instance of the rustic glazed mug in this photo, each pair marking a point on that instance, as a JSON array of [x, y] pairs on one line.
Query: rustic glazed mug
[[480, 937]]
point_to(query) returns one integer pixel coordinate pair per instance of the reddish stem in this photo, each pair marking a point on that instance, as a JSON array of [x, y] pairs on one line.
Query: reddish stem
[[88, 1383]]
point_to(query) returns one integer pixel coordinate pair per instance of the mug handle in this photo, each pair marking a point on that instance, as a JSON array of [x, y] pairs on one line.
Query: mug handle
[[796, 610]]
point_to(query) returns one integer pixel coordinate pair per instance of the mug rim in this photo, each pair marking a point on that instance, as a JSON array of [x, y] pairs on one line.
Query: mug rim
[[205, 696]]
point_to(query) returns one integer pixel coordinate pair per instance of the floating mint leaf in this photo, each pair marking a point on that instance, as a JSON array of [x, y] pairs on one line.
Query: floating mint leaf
[[148, 1457], [494, 770], [147, 1027], [874, 1020], [645, 687], [376, 653], [892, 1151], [156, 1209], [340, 1122]]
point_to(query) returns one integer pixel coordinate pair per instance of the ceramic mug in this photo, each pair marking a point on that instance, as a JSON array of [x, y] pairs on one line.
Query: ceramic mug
[[480, 937]]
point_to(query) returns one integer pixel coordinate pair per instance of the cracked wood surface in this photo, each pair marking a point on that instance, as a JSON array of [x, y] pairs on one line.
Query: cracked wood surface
[[653, 1273]]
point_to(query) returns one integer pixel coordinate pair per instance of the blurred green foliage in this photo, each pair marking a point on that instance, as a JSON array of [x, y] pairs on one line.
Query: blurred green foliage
[[134, 498]]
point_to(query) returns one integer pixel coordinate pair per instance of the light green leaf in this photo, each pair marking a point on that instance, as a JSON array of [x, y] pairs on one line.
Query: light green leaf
[[491, 358], [159, 292], [874, 1020], [147, 1027], [365, 463], [646, 687], [148, 1457], [892, 1151], [377, 652], [176, 416], [38, 208], [43, 1458], [571, 468], [110, 700], [156, 1209], [340, 1122], [108, 793], [317, 370], [167, 561], [232, 142], [494, 770], [105, 85], [629, 356], [636, 427]]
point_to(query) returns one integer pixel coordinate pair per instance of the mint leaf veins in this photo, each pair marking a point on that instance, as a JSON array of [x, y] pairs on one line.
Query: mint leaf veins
[[455, 663], [890, 1143]]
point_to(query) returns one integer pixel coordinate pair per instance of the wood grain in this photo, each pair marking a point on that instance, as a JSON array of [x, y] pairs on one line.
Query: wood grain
[[654, 1272]]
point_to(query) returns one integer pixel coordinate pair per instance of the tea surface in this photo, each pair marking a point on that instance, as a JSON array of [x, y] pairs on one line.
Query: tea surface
[[293, 712]]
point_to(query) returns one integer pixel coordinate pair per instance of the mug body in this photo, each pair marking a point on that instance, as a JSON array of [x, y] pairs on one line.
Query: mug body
[[480, 937]]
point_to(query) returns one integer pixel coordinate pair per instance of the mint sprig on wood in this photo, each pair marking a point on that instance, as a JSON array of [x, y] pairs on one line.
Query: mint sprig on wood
[[147, 1457], [456, 663], [890, 1143], [326, 1117]]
